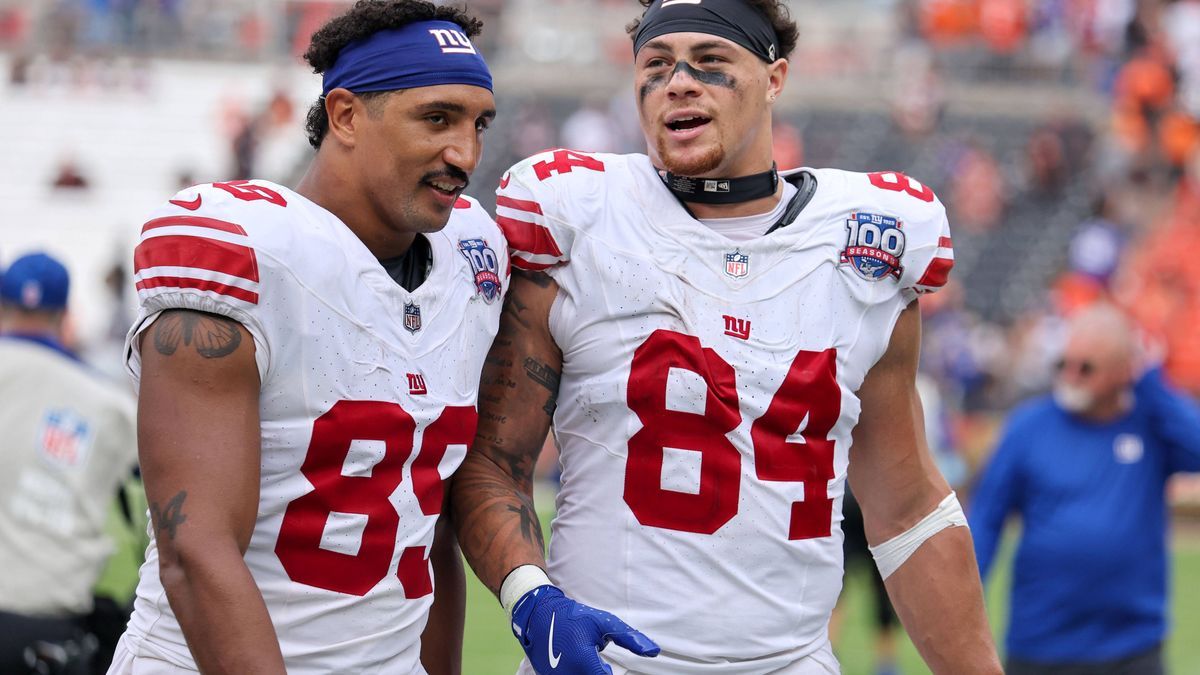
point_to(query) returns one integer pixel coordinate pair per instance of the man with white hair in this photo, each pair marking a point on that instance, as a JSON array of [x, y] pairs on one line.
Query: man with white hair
[[1086, 470]]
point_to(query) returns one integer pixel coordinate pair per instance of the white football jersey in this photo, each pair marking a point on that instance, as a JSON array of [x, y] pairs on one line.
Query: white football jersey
[[708, 395], [367, 405]]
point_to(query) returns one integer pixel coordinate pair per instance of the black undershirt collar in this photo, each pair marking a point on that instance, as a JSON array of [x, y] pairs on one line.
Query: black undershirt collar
[[412, 268]]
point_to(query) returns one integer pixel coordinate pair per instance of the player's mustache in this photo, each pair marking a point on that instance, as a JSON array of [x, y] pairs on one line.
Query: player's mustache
[[451, 172]]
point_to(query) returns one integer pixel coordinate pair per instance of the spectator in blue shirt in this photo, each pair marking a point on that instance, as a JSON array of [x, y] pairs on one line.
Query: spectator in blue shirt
[[1086, 470]]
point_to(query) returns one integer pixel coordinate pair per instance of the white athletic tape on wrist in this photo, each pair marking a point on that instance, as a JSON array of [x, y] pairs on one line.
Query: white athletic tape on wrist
[[891, 554], [519, 582]]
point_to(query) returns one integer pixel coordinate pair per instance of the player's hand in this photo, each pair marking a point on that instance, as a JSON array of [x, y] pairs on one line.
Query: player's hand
[[563, 637]]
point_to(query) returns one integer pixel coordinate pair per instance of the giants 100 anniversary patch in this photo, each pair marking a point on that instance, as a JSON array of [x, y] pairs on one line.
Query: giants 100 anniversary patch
[[485, 265], [874, 245]]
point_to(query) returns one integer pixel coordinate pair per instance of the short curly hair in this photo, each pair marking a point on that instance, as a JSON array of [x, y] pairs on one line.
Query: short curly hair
[[775, 11], [366, 18]]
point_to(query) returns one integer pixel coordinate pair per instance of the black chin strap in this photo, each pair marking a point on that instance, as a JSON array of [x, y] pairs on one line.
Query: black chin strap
[[723, 190], [806, 187]]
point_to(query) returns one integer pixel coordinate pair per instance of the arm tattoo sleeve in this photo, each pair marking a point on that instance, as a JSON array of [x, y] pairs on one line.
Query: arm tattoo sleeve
[[546, 376]]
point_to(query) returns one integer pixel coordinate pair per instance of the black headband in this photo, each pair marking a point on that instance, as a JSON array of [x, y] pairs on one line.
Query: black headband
[[731, 19]]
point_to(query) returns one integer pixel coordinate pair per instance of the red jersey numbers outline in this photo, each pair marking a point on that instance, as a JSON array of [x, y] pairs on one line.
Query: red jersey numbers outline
[[300, 535], [249, 192], [564, 162], [720, 462], [894, 181], [790, 440]]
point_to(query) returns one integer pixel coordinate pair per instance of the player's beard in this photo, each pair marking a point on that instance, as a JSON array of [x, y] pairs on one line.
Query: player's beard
[[698, 165], [418, 219]]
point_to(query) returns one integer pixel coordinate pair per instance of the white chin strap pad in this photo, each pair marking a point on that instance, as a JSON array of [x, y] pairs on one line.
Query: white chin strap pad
[[893, 553]]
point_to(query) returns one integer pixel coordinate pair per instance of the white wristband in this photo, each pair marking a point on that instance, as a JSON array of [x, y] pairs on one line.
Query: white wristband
[[891, 554], [519, 582]]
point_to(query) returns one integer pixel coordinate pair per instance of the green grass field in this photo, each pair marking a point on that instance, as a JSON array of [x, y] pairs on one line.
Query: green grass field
[[491, 650]]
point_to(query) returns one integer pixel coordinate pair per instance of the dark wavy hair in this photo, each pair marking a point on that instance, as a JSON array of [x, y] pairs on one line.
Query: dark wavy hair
[[366, 18], [775, 11]]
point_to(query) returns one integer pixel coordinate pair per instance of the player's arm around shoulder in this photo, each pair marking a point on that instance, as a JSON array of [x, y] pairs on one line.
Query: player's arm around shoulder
[[906, 505], [199, 444]]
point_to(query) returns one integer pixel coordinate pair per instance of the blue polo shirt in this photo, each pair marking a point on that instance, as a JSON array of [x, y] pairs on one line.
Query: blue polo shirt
[[1090, 575]]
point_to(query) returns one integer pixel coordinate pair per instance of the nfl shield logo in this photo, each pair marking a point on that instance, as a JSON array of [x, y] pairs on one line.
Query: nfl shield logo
[[412, 317], [65, 438], [737, 264]]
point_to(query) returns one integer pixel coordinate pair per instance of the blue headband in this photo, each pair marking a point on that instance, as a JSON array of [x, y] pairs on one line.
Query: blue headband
[[731, 19], [421, 54]]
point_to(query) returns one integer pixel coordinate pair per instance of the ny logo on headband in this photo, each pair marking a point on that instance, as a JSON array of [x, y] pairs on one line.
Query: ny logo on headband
[[452, 41]]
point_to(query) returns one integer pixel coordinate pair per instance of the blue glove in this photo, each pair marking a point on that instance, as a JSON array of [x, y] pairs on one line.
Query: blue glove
[[563, 637]]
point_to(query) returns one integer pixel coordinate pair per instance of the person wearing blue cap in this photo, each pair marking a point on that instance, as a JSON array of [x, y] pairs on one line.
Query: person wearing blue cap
[[721, 345], [308, 362], [68, 444]]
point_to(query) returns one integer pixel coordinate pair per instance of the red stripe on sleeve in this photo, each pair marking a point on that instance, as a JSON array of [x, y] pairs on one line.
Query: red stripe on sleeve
[[196, 252], [944, 242], [519, 204], [528, 237], [194, 221], [201, 285], [937, 273]]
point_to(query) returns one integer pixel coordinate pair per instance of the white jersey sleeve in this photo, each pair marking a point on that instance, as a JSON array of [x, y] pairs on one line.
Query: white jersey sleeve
[[928, 253], [542, 201], [202, 251]]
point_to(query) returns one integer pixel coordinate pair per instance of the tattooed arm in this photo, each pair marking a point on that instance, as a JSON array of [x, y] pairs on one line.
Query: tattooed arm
[[199, 442], [492, 493]]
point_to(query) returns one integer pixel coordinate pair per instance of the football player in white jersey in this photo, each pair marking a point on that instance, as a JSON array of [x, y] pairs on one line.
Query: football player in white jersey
[[720, 347], [308, 363]]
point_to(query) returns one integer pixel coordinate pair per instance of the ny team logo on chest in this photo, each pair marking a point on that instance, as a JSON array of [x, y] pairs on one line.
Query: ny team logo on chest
[[874, 245], [485, 265]]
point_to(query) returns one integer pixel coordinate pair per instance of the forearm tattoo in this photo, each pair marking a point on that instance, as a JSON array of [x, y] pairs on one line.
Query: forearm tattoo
[[531, 528]]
